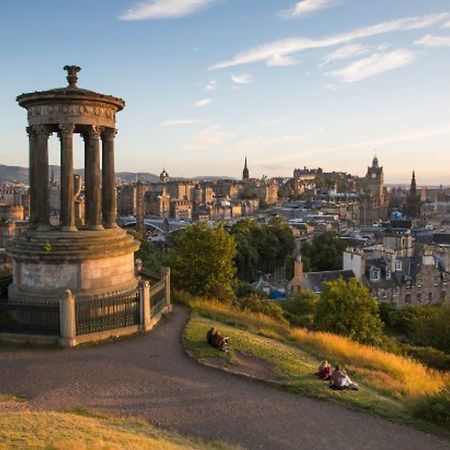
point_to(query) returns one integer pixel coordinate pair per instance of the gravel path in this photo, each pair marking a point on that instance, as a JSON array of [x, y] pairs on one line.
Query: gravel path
[[151, 376]]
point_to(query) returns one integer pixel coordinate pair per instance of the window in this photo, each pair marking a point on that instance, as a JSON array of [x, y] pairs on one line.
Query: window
[[430, 297], [436, 280], [398, 266], [419, 297], [395, 292], [388, 273], [408, 299], [375, 274], [384, 293], [408, 284], [419, 281]]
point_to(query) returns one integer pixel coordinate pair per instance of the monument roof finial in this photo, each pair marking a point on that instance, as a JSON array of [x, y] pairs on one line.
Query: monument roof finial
[[72, 75]]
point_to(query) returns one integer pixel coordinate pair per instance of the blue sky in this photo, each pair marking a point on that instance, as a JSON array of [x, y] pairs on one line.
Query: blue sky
[[287, 83]]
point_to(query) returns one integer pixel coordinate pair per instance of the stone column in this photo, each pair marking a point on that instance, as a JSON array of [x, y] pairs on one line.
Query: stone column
[[144, 294], [32, 175], [40, 168], [92, 178], [109, 207], [67, 189], [165, 275], [67, 320]]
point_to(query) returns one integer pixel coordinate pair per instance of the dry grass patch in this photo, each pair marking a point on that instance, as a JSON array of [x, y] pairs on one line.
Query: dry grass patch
[[396, 375], [69, 431]]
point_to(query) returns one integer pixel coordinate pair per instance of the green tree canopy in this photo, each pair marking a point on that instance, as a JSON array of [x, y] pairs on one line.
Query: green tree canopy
[[324, 253], [301, 308], [202, 260], [348, 308], [261, 248]]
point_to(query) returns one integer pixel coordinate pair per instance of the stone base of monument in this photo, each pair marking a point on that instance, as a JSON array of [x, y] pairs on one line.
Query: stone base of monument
[[91, 264]]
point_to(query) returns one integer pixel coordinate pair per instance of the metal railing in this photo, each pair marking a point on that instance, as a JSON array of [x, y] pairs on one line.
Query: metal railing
[[107, 313], [157, 298], [42, 319]]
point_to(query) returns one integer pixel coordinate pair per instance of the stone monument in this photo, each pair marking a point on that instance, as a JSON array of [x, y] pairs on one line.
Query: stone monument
[[92, 257]]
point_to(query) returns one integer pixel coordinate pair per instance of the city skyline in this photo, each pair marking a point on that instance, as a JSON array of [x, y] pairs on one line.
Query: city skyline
[[207, 82]]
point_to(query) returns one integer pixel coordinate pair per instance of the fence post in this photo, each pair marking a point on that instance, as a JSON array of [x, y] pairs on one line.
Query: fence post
[[144, 298], [67, 320], [165, 274]]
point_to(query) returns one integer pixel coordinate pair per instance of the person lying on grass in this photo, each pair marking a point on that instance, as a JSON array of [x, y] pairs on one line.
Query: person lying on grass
[[340, 380], [324, 370], [215, 339]]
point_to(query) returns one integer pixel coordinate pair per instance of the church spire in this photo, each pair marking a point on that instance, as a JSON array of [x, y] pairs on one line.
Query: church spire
[[413, 185], [245, 172]]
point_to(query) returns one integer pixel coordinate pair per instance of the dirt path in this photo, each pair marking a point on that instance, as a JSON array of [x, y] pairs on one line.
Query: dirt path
[[151, 376]]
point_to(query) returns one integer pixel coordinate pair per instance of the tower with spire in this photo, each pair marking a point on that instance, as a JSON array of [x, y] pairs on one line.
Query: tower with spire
[[373, 205], [413, 199], [245, 172]]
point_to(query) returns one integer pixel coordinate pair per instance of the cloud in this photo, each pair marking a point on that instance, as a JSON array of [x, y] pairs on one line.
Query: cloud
[[201, 103], [241, 80], [433, 41], [305, 7], [178, 122], [211, 85], [164, 9], [374, 65], [281, 61], [446, 25], [210, 137], [282, 49], [345, 52]]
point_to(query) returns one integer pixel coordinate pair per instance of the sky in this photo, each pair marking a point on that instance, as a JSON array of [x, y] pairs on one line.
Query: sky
[[287, 83]]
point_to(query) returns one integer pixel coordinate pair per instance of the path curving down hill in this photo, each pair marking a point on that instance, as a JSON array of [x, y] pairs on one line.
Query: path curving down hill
[[151, 376]]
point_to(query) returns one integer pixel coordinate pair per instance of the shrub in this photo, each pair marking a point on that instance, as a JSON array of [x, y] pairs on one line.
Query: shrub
[[300, 309], [435, 408], [348, 308], [259, 304]]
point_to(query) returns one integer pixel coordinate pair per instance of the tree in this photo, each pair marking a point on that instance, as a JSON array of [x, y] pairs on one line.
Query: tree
[[147, 252], [261, 248], [301, 308], [324, 252], [202, 260], [348, 308]]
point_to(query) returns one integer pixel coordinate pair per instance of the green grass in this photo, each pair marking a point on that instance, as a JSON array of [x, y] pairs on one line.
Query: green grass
[[82, 430], [292, 367], [295, 358]]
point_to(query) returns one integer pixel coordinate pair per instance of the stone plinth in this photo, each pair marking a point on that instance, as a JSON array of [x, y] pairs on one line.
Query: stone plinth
[[89, 263]]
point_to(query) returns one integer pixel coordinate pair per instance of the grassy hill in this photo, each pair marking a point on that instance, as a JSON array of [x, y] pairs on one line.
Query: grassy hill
[[80, 430], [394, 387]]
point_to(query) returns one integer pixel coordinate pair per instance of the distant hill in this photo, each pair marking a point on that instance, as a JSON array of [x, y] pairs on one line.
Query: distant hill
[[17, 173], [12, 173]]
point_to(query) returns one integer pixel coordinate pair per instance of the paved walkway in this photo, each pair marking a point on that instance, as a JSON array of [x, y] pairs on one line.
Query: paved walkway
[[151, 376]]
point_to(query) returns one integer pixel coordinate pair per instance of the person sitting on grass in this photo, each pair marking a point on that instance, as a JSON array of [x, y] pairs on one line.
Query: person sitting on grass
[[210, 334], [215, 339], [324, 371], [340, 380]]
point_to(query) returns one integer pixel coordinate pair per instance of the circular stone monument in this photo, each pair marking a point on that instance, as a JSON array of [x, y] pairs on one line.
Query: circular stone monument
[[93, 260]]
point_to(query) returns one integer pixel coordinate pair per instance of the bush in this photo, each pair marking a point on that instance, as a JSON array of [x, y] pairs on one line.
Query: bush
[[430, 356], [258, 304], [435, 408], [301, 308], [425, 325], [348, 308]]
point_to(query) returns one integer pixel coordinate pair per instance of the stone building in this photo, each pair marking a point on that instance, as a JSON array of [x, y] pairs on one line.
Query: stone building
[[126, 200], [399, 280], [374, 201]]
